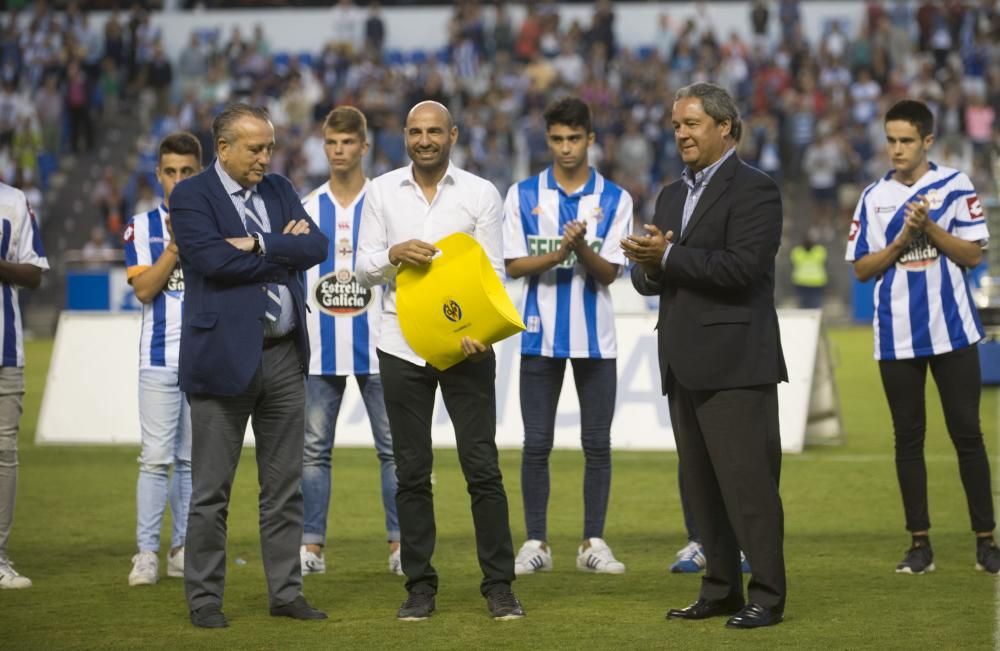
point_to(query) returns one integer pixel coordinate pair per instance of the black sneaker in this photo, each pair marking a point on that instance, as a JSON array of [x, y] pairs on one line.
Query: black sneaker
[[987, 556], [417, 607], [918, 559], [504, 605]]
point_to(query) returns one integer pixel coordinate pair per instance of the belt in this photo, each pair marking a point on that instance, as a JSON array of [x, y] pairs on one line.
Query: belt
[[271, 342]]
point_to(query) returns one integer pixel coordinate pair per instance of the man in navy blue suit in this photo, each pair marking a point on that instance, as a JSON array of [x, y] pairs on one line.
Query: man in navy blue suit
[[244, 242]]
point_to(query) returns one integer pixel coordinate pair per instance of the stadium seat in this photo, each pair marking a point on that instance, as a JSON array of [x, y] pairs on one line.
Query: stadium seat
[[395, 58], [418, 57], [306, 59], [280, 59]]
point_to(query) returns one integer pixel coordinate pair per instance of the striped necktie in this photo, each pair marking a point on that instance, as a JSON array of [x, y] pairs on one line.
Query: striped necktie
[[254, 224]]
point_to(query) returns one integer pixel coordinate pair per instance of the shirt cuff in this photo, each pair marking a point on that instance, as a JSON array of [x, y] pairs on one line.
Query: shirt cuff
[[666, 252], [382, 262]]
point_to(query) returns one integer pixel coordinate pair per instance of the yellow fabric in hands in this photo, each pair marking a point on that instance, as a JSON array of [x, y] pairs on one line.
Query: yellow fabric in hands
[[457, 295]]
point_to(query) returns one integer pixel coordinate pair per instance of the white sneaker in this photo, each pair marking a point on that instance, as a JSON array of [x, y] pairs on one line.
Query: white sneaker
[[175, 564], [145, 569], [311, 563], [9, 578], [396, 563], [598, 558], [534, 556]]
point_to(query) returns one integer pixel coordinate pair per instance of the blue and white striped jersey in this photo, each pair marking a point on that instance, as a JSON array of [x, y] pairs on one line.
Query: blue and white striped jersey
[[146, 236], [344, 318], [566, 311], [922, 303], [20, 243]]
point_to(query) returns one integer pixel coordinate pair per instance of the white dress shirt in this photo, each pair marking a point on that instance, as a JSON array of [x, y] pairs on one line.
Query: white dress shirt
[[396, 211]]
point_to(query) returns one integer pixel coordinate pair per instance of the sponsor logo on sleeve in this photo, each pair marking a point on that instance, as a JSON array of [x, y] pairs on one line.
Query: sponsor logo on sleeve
[[975, 207]]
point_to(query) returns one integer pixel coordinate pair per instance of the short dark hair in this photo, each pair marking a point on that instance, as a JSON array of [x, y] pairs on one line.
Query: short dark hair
[[717, 103], [223, 123], [347, 119], [181, 143], [915, 112], [568, 111]]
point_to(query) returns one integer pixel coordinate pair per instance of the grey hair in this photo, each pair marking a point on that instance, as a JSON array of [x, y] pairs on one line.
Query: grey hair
[[222, 125], [718, 104]]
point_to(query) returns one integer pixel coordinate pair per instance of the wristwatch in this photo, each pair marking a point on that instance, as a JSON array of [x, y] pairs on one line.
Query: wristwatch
[[257, 249]]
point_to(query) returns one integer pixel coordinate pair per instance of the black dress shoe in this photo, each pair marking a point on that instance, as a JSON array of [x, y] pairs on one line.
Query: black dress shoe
[[298, 608], [705, 608], [209, 616], [755, 616]]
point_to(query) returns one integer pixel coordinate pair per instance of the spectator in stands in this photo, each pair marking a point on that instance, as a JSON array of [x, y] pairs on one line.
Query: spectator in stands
[[346, 26], [78, 105], [192, 64], [374, 30], [23, 264], [49, 104], [160, 77], [526, 45], [822, 162], [97, 252]]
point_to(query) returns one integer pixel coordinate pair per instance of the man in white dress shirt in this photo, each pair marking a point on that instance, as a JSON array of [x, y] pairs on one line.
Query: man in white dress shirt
[[405, 210]]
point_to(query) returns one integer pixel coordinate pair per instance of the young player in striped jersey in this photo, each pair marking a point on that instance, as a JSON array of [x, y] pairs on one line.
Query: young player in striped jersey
[[562, 230], [917, 231], [155, 275], [22, 261], [343, 328]]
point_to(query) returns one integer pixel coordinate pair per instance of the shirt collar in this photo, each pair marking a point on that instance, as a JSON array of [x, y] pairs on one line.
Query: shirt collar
[[449, 175], [231, 186], [587, 188], [700, 179]]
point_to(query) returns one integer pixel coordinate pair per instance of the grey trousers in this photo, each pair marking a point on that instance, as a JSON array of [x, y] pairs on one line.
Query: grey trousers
[[11, 395], [275, 401]]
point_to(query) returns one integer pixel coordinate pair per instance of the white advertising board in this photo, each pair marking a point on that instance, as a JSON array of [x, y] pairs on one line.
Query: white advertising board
[[91, 393]]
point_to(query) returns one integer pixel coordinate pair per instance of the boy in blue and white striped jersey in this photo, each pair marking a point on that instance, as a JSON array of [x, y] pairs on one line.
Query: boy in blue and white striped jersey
[[562, 230], [343, 325], [155, 275], [918, 230], [22, 261]]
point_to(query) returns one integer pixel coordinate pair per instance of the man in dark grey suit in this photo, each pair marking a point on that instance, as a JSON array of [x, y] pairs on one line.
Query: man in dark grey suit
[[709, 256], [244, 241]]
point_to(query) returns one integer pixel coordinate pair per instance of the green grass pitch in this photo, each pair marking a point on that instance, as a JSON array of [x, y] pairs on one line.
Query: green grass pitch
[[75, 522]]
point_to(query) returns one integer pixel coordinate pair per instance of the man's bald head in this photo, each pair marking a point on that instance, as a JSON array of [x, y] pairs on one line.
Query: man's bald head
[[435, 108], [430, 133]]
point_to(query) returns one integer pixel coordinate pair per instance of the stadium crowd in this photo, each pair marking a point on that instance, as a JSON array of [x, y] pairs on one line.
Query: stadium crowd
[[811, 108]]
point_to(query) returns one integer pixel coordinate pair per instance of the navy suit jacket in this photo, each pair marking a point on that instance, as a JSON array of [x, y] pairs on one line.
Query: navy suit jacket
[[718, 328], [222, 328]]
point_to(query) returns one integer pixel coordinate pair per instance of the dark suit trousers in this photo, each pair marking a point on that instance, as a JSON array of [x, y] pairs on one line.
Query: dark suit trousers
[[730, 454], [275, 400], [469, 396]]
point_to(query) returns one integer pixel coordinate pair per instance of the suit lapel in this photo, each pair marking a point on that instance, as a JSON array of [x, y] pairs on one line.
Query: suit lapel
[[717, 186], [232, 221], [673, 208], [272, 205]]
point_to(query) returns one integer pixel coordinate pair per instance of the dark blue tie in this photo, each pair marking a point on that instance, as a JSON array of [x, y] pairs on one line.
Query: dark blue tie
[[255, 224]]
